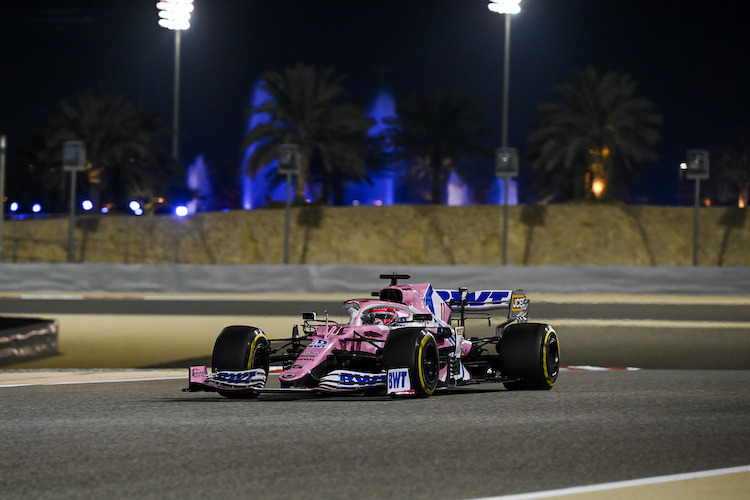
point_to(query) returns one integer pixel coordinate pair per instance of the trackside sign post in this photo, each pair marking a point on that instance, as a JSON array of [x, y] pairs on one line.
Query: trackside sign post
[[289, 165], [73, 160], [506, 166], [697, 168]]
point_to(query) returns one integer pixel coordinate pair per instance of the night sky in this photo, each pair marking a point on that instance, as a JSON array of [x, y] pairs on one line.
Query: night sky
[[687, 57]]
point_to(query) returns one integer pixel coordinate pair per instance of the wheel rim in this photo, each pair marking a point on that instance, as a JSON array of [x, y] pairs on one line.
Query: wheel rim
[[553, 358], [260, 355], [429, 365]]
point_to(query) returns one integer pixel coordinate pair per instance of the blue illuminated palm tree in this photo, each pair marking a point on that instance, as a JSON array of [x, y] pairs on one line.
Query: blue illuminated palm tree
[[310, 108], [437, 133]]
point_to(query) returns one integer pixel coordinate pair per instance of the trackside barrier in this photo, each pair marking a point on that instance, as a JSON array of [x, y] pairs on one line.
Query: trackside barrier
[[189, 278], [23, 339]]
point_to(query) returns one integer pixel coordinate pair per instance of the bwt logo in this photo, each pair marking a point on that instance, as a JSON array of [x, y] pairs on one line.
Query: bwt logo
[[236, 377], [398, 380], [485, 296], [351, 378]]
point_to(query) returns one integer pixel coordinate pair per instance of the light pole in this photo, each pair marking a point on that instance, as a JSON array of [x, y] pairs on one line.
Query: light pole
[[506, 8], [175, 15], [2, 192]]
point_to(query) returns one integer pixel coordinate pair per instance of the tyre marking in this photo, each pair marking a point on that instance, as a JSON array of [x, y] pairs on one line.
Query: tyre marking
[[550, 331], [253, 346], [419, 364]]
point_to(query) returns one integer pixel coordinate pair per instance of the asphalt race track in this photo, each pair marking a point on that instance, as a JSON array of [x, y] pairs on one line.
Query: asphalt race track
[[147, 439], [77, 425]]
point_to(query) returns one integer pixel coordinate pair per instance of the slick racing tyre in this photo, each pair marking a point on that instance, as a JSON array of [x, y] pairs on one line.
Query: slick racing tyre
[[531, 353], [240, 348], [417, 350]]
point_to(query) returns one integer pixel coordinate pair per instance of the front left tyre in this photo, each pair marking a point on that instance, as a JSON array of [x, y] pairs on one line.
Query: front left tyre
[[417, 350], [239, 348]]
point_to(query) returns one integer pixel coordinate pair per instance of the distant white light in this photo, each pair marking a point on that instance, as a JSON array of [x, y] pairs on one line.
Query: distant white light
[[105, 210], [505, 6], [36, 208], [683, 166], [14, 206], [134, 206], [138, 212], [181, 211], [87, 205], [175, 14]]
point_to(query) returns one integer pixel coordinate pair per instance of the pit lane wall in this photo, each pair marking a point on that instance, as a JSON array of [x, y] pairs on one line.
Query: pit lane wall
[[554, 235]]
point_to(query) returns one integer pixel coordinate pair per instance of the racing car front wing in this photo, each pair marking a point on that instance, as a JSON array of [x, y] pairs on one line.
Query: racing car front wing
[[201, 379]]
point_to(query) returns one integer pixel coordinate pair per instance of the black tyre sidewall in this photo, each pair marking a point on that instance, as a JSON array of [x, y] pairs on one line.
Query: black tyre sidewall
[[525, 352], [240, 348], [416, 350]]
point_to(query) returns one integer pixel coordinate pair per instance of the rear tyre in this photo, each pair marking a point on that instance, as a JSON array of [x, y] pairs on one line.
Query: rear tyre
[[240, 348], [531, 353], [416, 350]]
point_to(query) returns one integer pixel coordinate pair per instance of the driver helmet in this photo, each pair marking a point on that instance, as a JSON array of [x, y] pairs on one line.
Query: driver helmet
[[381, 316]]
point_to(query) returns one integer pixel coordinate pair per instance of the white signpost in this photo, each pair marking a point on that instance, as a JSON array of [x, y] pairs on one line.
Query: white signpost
[[696, 167], [289, 165], [74, 160], [506, 166]]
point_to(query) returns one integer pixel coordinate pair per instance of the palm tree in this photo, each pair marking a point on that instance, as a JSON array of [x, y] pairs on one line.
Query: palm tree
[[599, 137], [731, 179], [309, 108], [125, 159], [438, 132]]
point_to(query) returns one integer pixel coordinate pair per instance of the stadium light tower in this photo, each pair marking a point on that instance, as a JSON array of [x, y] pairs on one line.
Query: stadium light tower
[[506, 155], [506, 8], [175, 15]]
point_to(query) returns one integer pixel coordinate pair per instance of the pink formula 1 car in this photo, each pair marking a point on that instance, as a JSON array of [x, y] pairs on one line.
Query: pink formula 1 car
[[407, 340]]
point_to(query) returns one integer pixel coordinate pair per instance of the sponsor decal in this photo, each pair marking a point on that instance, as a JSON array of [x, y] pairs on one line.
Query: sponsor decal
[[343, 380], [359, 378], [318, 344], [239, 379], [482, 297], [518, 303], [398, 381], [236, 376]]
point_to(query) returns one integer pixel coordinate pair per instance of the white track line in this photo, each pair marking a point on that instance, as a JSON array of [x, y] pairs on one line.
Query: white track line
[[92, 377], [80, 382], [621, 484]]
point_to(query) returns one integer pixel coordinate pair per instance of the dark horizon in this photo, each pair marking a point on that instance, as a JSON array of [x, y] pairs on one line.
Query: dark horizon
[[683, 59]]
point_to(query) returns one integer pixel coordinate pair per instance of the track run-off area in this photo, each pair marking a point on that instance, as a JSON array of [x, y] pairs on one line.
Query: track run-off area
[[106, 417], [597, 434]]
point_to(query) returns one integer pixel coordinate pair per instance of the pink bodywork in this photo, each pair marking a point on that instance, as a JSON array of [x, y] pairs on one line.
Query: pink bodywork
[[417, 299]]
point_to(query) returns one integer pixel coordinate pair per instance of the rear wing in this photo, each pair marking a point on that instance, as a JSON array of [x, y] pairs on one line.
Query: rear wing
[[485, 300]]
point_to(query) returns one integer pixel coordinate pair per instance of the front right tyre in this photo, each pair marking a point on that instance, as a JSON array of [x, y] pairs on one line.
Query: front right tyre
[[239, 348]]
